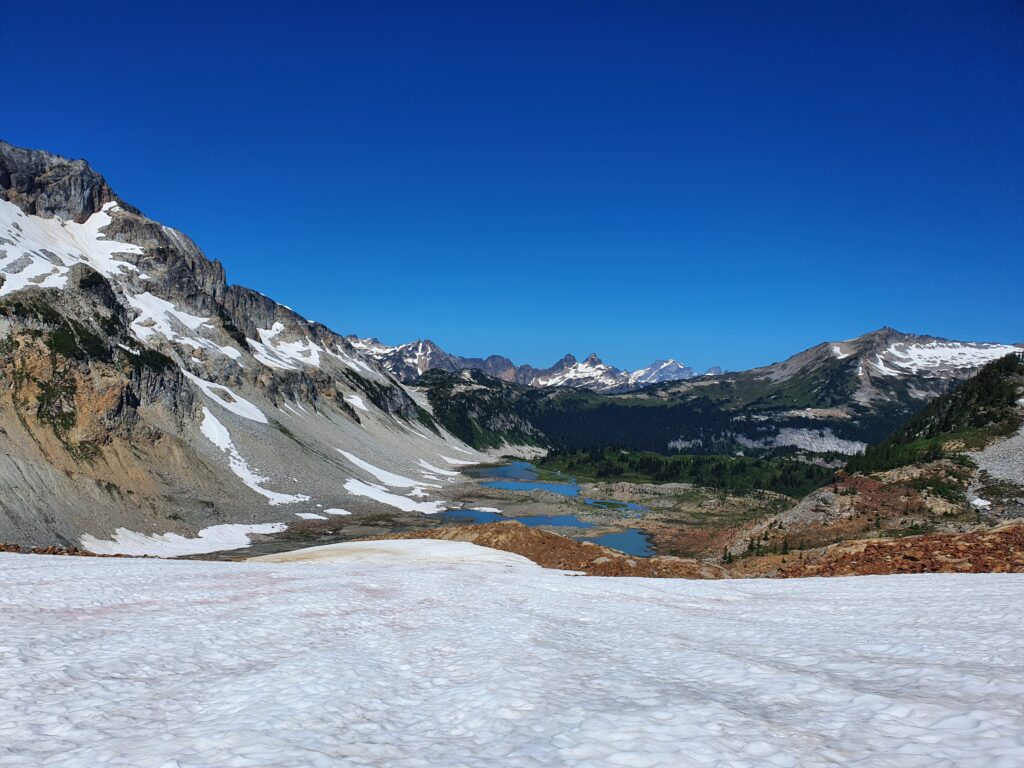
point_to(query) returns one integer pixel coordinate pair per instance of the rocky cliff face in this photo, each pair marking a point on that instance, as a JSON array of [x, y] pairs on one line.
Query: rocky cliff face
[[141, 395]]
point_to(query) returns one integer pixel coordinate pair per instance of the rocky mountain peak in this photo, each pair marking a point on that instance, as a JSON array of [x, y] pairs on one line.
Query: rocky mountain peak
[[47, 185]]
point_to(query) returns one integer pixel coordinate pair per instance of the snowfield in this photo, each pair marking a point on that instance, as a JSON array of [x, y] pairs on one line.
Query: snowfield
[[442, 654]]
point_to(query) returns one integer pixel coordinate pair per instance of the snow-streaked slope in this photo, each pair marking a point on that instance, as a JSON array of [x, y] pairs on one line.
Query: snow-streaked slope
[[400, 662], [207, 403], [901, 359], [218, 434]]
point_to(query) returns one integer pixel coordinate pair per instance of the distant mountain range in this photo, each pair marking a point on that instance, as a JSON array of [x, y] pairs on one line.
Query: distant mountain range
[[837, 396], [407, 362]]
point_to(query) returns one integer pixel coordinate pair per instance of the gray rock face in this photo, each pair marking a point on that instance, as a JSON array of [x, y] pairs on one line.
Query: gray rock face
[[42, 184]]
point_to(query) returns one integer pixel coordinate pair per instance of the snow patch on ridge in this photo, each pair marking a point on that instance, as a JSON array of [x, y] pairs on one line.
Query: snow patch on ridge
[[157, 315], [902, 359], [38, 252], [286, 355], [227, 399]]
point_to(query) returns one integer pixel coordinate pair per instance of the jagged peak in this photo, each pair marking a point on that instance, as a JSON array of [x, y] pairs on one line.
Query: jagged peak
[[47, 185]]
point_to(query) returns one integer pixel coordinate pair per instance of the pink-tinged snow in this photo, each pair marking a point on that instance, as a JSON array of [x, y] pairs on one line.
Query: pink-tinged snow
[[216, 538], [408, 658], [37, 252], [218, 434]]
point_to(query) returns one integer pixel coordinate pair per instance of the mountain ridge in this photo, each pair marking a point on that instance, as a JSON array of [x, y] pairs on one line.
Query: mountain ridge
[[407, 362], [146, 404]]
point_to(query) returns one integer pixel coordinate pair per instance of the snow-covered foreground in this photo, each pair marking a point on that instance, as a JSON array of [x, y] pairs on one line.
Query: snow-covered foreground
[[477, 658]]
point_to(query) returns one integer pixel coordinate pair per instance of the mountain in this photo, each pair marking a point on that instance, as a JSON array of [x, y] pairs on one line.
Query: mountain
[[834, 397], [666, 370], [984, 409], [955, 465], [407, 362], [144, 400]]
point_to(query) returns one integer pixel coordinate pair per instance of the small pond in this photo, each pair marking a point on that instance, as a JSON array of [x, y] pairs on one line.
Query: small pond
[[523, 476], [631, 541]]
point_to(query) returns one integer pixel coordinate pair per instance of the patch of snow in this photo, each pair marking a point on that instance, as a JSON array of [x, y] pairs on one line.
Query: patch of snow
[[352, 362], [356, 402], [158, 316], [38, 252], [388, 478], [436, 470], [294, 411], [218, 434], [334, 511], [427, 552], [381, 494], [286, 355], [216, 538], [310, 516], [818, 440], [938, 356], [227, 399], [457, 461]]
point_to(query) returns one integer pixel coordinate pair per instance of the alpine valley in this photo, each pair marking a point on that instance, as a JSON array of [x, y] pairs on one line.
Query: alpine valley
[[147, 406]]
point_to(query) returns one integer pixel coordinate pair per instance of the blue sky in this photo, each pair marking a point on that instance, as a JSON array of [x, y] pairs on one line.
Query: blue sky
[[724, 183]]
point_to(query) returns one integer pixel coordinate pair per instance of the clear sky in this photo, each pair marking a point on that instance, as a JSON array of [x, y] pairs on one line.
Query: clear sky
[[723, 183]]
